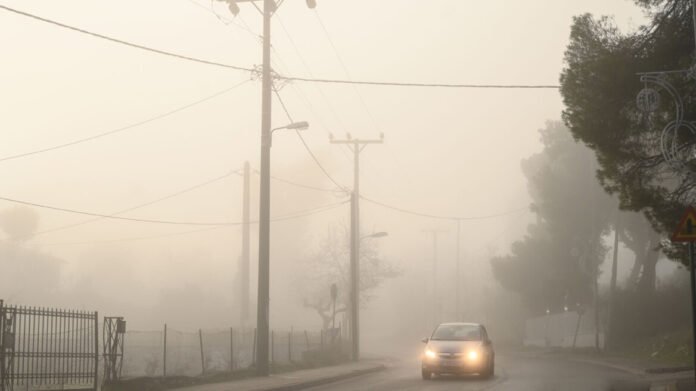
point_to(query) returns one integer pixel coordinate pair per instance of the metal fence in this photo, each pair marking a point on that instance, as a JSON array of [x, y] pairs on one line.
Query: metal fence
[[42, 348], [564, 330], [172, 352]]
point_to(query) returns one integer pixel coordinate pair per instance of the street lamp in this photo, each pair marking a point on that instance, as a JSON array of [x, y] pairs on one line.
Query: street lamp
[[302, 125], [375, 235]]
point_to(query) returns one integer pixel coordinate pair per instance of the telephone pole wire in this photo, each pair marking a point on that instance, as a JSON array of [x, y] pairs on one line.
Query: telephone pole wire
[[356, 145]]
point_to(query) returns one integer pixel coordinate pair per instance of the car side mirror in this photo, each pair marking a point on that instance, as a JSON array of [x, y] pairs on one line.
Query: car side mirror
[[425, 340], [488, 342]]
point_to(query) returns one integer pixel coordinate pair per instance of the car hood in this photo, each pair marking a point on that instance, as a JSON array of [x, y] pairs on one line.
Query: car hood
[[453, 346]]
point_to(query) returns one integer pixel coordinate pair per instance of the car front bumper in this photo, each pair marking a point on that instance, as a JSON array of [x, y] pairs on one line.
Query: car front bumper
[[442, 365]]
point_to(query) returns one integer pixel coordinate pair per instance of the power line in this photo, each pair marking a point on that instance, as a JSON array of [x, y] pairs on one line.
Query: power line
[[222, 19], [133, 239], [407, 84], [287, 113], [81, 212], [298, 91], [317, 86], [85, 213], [123, 128], [345, 69], [440, 217], [300, 185], [175, 194], [126, 43], [297, 215], [292, 216], [287, 78]]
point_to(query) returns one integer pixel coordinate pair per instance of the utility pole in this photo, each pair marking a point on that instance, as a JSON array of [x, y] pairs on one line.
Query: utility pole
[[263, 300], [263, 295], [435, 302], [356, 145], [244, 266]]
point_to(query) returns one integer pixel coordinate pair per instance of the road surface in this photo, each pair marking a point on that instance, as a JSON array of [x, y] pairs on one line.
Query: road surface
[[514, 371]]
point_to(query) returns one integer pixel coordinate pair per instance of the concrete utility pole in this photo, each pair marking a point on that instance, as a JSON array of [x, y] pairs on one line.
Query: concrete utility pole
[[436, 305], [356, 145], [244, 266], [263, 300], [263, 296]]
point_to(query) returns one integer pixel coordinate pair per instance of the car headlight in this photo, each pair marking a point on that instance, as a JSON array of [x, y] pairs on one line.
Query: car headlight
[[472, 355], [430, 353]]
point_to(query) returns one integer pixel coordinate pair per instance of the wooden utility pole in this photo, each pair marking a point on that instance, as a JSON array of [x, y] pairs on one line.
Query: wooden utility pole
[[356, 145]]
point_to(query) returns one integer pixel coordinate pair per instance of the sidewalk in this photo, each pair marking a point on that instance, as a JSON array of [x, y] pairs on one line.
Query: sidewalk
[[661, 377], [297, 380]]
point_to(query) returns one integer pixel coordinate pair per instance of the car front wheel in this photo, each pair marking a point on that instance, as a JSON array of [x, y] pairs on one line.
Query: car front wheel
[[426, 374], [490, 371]]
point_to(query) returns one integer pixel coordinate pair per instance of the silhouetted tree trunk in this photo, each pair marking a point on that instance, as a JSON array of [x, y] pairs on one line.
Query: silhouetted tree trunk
[[646, 285]]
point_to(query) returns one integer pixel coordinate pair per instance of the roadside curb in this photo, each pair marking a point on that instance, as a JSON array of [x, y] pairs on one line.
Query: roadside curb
[[669, 370], [623, 368], [326, 380], [664, 387]]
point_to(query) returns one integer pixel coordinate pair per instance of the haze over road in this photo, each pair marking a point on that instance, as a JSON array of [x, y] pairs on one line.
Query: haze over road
[[515, 371]]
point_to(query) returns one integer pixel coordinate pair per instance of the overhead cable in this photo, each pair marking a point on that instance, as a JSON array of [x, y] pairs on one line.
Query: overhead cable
[[175, 194], [122, 42], [296, 215], [93, 214], [408, 84], [441, 217], [153, 221], [123, 128], [300, 185], [321, 167], [280, 77]]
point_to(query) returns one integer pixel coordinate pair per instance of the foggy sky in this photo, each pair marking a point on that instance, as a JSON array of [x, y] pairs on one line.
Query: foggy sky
[[446, 152]]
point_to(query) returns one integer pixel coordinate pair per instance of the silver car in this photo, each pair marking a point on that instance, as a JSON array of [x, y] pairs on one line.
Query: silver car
[[458, 348]]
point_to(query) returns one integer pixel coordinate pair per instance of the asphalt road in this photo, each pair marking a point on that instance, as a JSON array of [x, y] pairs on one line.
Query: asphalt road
[[514, 371]]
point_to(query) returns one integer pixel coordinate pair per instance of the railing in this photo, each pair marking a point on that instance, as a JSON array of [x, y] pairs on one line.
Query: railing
[[42, 348], [172, 352]]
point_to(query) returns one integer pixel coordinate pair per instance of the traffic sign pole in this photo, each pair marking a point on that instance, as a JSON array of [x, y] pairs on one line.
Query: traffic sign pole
[[692, 272], [686, 232]]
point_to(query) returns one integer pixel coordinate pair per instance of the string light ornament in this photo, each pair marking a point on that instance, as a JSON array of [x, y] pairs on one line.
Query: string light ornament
[[677, 140], [678, 135]]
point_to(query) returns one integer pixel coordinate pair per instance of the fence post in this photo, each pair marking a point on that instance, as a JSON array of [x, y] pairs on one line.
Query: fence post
[[272, 347], [306, 337], [2, 346], [253, 350], [96, 350], [164, 354], [200, 338], [290, 345], [321, 339], [231, 349]]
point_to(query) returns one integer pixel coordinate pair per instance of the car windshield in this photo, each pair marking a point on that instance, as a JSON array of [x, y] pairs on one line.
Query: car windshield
[[457, 332]]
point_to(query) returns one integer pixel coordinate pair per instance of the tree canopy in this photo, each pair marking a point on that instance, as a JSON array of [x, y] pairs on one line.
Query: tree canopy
[[599, 86], [557, 262]]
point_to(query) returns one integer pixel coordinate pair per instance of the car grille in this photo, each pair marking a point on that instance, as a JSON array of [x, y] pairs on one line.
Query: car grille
[[450, 355]]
